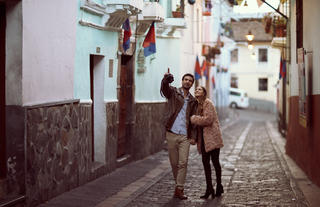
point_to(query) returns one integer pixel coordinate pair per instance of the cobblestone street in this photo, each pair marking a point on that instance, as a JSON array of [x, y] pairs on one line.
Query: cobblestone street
[[254, 173]]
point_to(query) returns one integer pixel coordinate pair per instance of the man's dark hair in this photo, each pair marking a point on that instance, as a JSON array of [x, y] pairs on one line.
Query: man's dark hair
[[190, 75]]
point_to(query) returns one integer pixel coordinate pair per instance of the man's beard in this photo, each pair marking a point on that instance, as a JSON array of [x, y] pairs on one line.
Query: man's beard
[[186, 87]]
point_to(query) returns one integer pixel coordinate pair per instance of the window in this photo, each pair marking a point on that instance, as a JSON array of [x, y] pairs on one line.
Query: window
[[234, 82], [233, 93], [263, 55], [234, 56], [263, 84]]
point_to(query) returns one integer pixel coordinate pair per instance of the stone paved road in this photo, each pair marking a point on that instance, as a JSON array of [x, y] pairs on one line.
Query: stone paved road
[[252, 172]]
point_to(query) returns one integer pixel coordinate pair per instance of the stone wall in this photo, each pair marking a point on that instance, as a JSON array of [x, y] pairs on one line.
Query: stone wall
[[149, 130], [58, 150], [59, 145]]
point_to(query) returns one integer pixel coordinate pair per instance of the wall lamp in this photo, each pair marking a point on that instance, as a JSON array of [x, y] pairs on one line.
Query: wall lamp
[[249, 36]]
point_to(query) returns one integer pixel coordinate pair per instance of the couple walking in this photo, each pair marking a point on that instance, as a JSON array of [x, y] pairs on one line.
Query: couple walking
[[191, 120]]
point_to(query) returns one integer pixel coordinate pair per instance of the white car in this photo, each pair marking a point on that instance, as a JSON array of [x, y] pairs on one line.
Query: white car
[[238, 98]]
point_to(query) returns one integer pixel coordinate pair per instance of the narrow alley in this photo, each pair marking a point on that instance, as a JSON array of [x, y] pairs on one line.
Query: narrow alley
[[101, 102], [254, 173]]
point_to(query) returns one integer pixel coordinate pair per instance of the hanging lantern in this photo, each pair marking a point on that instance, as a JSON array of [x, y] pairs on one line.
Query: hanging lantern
[[191, 2], [249, 36]]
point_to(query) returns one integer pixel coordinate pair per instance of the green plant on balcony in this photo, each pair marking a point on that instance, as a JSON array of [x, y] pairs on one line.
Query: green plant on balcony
[[279, 26], [207, 7], [267, 21]]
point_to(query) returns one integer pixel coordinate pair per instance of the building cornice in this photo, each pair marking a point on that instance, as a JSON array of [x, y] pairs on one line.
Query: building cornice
[[112, 13]]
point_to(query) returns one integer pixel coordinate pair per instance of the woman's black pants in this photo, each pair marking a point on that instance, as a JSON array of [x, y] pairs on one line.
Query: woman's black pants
[[214, 155]]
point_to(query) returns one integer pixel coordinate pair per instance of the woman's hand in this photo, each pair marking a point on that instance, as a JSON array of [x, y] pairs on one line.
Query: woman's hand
[[192, 119]]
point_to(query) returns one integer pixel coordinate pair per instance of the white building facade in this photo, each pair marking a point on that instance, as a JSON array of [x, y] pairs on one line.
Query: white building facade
[[256, 69]]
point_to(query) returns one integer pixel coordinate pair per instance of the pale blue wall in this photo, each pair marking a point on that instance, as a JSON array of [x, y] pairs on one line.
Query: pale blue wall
[[148, 83], [87, 40]]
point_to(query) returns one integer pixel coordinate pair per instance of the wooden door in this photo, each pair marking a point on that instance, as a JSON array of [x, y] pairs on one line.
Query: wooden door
[[125, 104], [2, 89]]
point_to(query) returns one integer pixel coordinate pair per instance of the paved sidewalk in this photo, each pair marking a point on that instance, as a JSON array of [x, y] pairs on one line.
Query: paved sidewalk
[[310, 191], [255, 172]]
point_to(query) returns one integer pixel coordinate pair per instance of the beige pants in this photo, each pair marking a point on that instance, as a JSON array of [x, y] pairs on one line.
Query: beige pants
[[178, 149]]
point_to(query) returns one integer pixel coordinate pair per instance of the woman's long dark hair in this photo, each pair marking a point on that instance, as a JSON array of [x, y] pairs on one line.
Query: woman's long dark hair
[[204, 90], [200, 106]]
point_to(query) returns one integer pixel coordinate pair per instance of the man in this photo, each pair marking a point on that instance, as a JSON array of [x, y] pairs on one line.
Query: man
[[180, 133]]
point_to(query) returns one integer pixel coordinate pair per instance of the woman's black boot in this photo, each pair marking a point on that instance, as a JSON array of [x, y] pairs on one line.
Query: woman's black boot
[[208, 193], [219, 190]]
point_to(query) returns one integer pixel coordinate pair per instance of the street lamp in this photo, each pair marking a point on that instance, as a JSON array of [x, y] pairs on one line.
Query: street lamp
[[249, 36]]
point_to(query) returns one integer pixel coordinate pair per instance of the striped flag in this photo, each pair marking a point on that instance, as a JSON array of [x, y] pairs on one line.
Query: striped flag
[[204, 69], [283, 68], [149, 42], [127, 35], [213, 82], [197, 69]]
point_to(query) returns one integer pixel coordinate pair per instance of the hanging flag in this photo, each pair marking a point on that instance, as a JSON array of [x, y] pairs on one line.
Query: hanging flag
[[283, 66], [197, 69], [280, 72], [213, 82], [204, 69], [149, 42], [127, 35], [259, 2]]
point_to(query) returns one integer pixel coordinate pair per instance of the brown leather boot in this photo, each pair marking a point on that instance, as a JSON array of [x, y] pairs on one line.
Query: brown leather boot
[[178, 193]]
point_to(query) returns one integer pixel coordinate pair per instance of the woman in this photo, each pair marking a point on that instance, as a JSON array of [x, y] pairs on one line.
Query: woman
[[209, 140]]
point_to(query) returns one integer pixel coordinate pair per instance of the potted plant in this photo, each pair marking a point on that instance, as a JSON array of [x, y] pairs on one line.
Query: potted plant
[[178, 12], [267, 21], [279, 27], [207, 8]]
